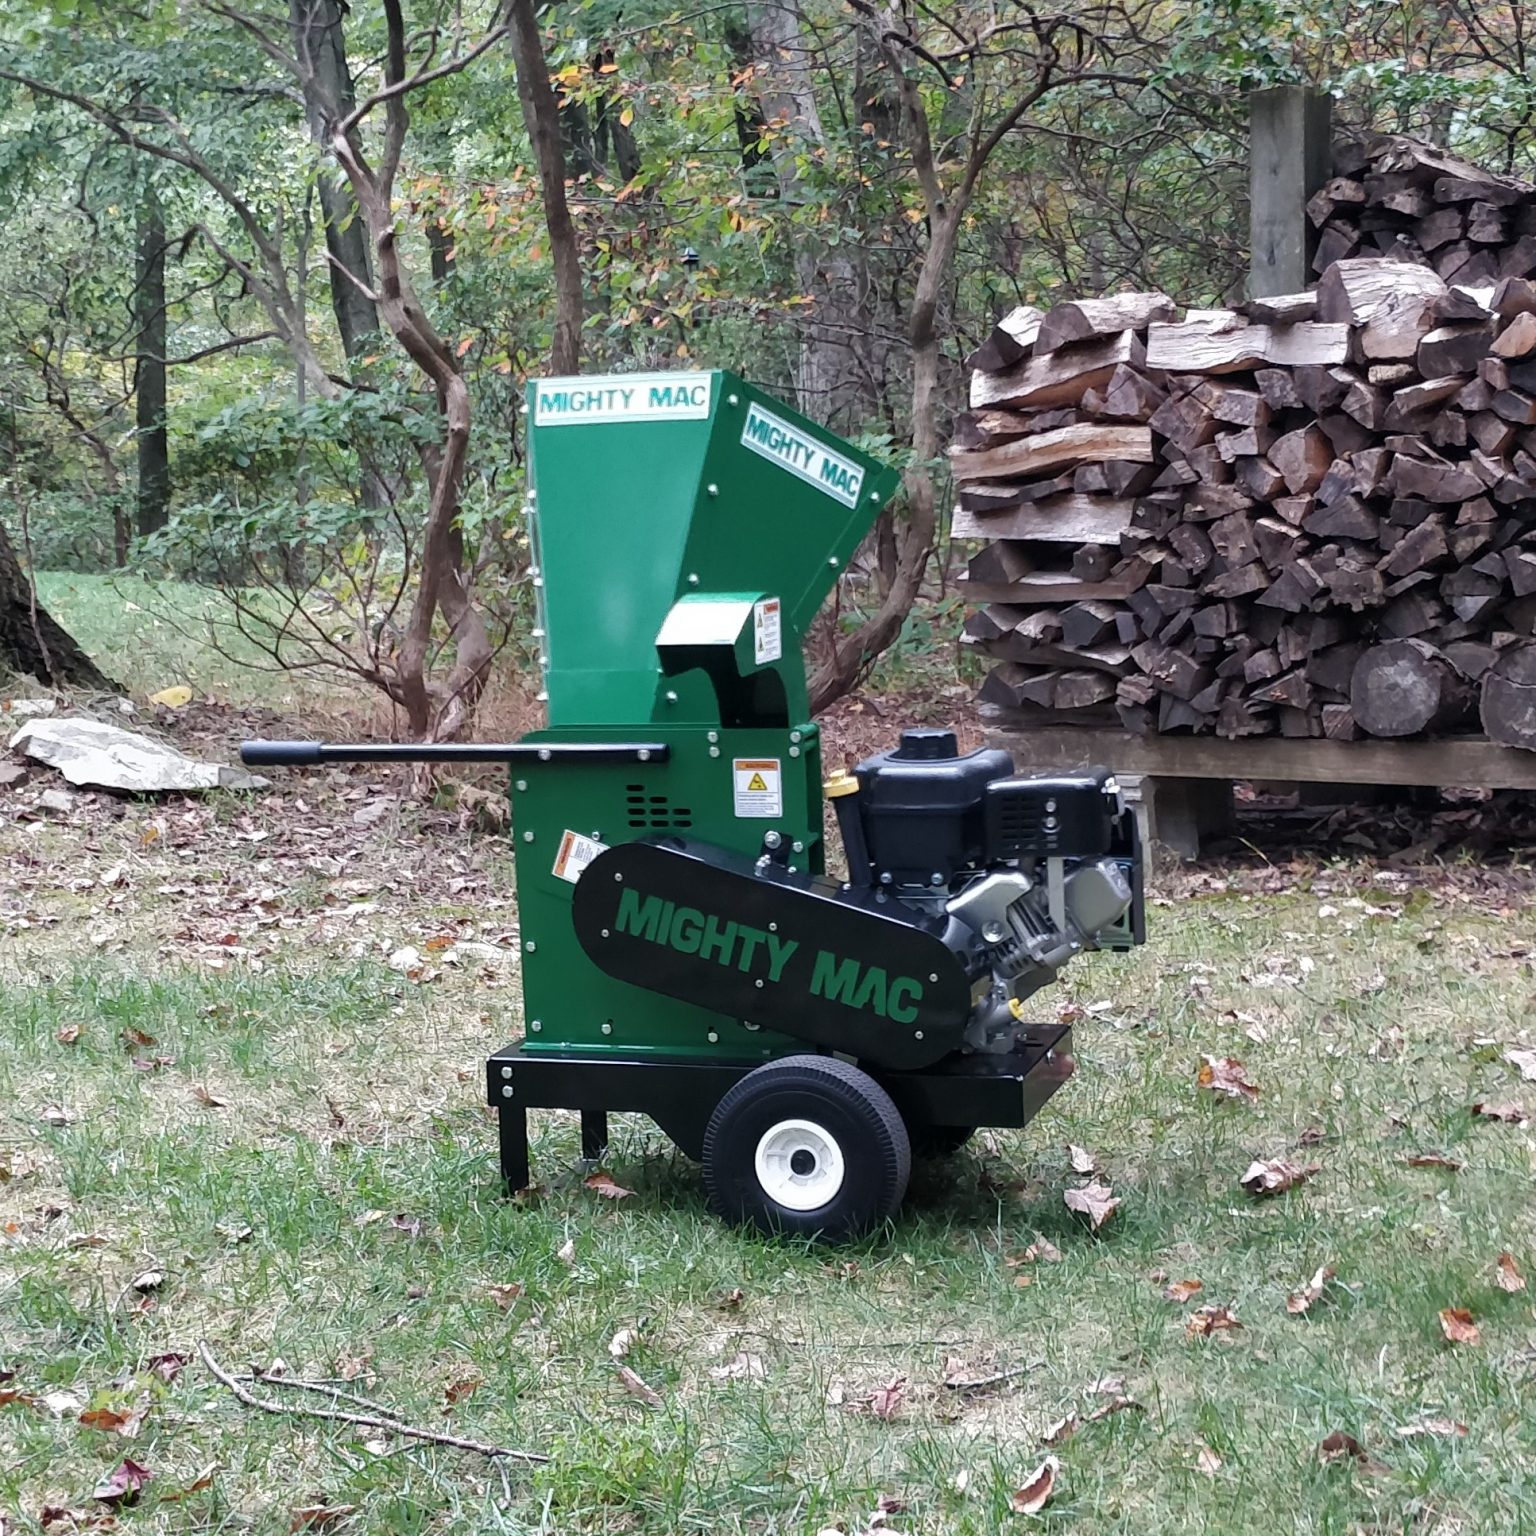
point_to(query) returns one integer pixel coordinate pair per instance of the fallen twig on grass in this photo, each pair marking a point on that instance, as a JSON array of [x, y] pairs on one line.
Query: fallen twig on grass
[[383, 1421], [976, 1383]]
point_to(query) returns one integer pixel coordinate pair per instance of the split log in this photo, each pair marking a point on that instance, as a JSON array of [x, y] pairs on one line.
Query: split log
[[1404, 687], [1218, 341], [1070, 519], [1083, 319], [1060, 377], [1508, 699], [1011, 339], [1052, 450]]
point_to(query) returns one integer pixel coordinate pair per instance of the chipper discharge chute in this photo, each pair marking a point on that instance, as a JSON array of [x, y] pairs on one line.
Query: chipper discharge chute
[[684, 953]]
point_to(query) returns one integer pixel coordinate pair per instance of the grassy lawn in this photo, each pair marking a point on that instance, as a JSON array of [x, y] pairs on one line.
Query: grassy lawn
[[150, 635], [299, 1169], [224, 1116]]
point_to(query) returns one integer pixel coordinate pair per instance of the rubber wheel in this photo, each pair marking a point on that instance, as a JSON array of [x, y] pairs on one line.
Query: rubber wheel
[[935, 1141], [807, 1146]]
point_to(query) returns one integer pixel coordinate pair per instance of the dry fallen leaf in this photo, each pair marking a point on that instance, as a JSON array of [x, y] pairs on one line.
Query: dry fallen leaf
[[602, 1184], [1035, 1492], [566, 1252], [730, 1301], [1433, 1160], [117, 1421], [1093, 1201], [1061, 1431], [123, 1485], [318, 1517], [504, 1295], [168, 1366], [1447, 1428], [55, 1115], [741, 1367], [203, 1480], [1181, 1290], [1525, 1061], [1208, 1461], [1457, 1325], [1510, 1114], [622, 1342], [1506, 1273], [1276, 1175], [1335, 1446], [68, 1035], [132, 1037], [203, 1096], [1081, 1159], [457, 1391], [1226, 1074], [1042, 1249], [349, 1366], [1114, 1405], [1204, 1321], [1300, 1301], [636, 1387], [885, 1402]]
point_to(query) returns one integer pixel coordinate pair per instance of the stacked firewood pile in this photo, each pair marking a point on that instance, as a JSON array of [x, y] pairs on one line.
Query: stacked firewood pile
[[1314, 516]]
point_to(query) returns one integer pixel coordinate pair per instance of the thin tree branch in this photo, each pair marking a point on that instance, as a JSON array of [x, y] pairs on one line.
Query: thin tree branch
[[361, 1420]]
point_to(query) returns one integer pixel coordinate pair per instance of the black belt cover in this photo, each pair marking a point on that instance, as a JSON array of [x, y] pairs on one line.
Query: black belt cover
[[787, 951]]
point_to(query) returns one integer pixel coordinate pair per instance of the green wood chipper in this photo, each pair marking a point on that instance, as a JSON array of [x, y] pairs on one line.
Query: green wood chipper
[[684, 952]]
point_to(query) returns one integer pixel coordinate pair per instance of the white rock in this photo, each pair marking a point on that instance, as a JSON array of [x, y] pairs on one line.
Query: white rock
[[88, 752], [56, 800], [27, 709]]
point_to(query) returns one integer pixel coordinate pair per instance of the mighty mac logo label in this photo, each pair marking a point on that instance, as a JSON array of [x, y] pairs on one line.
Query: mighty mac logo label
[[622, 397], [776, 440], [770, 956]]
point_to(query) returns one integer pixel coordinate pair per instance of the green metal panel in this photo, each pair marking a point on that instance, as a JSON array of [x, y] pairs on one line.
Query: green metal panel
[[649, 488], [567, 1001], [686, 529]]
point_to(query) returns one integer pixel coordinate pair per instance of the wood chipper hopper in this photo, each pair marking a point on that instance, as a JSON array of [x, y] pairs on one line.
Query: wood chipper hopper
[[684, 952]]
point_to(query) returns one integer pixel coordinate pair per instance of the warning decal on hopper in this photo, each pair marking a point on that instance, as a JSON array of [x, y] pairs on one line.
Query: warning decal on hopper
[[759, 786]]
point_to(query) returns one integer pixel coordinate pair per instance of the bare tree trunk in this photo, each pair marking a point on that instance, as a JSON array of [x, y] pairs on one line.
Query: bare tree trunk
[[320, 46], [914, 535], [441, 579], [30, 640], [834, 380], [541, 117], [154, 503]]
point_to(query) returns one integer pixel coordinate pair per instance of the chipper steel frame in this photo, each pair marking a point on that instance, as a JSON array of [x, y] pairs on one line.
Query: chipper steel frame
[[684, 953]]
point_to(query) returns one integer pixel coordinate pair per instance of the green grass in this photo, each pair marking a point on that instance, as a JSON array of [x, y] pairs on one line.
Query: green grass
[[149, 635], [303, 1026]]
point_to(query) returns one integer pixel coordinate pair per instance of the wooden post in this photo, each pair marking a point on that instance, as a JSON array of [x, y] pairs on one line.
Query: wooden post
[[1289, 155]]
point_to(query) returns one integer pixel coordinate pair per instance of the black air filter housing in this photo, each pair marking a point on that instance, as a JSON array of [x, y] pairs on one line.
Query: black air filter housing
[[1064, 816], [921, 807]]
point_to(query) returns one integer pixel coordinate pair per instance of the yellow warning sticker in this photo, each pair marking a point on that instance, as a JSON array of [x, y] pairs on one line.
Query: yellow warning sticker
[[758, 785]]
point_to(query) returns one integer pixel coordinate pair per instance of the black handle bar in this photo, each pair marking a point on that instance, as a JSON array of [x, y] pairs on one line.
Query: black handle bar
[[305, 754]]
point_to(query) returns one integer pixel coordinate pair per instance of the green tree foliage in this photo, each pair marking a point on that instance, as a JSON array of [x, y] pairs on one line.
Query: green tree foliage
[[835, 196]]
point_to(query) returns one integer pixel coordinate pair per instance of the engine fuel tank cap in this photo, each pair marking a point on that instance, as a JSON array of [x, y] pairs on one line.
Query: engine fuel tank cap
[[927, 745]]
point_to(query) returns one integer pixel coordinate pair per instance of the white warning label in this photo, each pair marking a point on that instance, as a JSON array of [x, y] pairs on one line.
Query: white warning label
[[759, 786], [767, 630], [576, 852]]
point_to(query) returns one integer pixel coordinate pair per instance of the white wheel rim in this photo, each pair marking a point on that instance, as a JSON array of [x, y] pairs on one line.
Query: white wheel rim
[[799, 1165]]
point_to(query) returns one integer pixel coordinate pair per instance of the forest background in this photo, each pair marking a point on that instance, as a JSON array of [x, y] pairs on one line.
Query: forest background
[[272, 278]]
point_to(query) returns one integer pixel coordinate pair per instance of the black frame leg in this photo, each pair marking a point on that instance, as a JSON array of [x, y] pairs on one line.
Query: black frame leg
[[513, 1127], [594, 1134]]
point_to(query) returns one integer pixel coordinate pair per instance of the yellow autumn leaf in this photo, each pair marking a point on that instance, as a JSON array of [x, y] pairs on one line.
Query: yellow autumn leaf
[[174, 697], [627, 116]]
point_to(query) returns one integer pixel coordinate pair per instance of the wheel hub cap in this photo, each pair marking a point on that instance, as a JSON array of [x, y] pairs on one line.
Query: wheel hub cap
[[799, 1165]]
